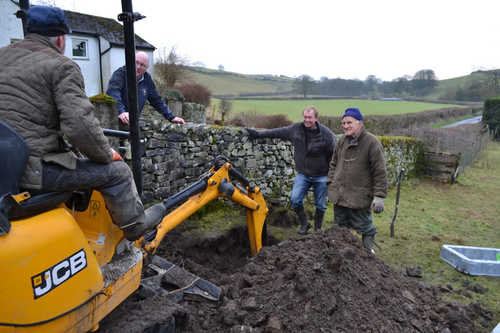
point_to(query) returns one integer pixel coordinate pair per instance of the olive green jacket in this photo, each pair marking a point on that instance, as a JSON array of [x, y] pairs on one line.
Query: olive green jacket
[[42, 96], [357, 171]]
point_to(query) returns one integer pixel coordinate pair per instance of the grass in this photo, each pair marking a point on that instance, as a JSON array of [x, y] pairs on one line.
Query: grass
[[226, 83], [430, 215], [293, 109]]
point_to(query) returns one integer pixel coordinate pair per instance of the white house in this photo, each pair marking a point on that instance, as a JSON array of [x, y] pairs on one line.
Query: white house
[[96, 44]]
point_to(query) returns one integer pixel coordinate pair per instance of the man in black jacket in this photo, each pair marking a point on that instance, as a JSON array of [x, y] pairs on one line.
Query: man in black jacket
[[313, 149]]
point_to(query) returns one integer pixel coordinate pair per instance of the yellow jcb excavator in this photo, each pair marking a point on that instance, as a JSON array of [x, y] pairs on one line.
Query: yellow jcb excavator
[[64, 265]]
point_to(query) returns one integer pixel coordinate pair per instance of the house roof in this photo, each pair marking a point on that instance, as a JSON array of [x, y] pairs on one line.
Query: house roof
[[107, 28]]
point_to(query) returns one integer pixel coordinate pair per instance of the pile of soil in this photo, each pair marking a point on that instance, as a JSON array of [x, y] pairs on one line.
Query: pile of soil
[[322, 282]]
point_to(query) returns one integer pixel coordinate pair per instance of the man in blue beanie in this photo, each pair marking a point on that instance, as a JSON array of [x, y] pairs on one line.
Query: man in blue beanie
[[42, 97], [313, 145], [357, 179]]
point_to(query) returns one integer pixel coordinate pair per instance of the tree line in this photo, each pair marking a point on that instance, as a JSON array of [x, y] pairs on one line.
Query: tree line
[[422, 83]]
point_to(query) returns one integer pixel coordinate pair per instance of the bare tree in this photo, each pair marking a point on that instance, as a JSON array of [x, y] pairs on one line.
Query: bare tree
[[199, 64], [170, 68], [402, 84], [221, 68], [304, 85], [490, 81], [423, 82], [225, 108]]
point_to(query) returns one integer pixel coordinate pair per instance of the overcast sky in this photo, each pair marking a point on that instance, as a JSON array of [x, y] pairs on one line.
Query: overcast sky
[[347, 39]]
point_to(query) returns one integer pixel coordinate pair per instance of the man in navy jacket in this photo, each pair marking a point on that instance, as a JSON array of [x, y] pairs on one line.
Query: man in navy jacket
[[117, 88]]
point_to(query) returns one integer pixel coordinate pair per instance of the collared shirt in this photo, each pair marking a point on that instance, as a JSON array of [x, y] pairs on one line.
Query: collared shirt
[[354, 139]]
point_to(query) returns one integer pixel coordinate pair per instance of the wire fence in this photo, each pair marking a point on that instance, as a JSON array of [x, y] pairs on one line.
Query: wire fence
[[470, 154]]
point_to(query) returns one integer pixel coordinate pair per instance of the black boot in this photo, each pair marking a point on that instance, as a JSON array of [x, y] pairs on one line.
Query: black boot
[[318, 219], [154, 215], [368, 242], [304, 223]]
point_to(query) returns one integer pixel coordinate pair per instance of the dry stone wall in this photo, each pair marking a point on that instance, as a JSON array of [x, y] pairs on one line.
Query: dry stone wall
[[174, 156]]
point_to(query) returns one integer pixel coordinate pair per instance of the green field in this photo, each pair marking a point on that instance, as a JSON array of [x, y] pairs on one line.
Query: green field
[[293, 109], [229, 83]]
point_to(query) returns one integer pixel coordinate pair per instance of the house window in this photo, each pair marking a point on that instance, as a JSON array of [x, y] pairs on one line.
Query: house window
[[80, 48]]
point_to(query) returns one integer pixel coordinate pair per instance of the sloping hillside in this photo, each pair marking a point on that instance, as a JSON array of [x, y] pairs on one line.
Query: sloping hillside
[[444, 85], [229, 83]]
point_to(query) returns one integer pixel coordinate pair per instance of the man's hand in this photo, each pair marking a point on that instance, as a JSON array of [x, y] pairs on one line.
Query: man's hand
[[124, 117], [252, 134], [377, 205], [178, 120], [116, 156]]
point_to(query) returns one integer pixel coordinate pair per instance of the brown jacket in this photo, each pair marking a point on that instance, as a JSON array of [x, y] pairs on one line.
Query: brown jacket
[[42, 96], [357, 172]]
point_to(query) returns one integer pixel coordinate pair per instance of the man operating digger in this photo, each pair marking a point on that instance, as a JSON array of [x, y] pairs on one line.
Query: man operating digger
[[357, 179], [42, 97], [313, 145]]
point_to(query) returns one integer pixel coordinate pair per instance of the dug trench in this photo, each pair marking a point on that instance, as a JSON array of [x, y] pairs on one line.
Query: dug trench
[[322, 282]]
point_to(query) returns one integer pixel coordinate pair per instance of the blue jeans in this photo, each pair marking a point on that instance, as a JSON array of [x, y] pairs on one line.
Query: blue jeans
[[302, 184]]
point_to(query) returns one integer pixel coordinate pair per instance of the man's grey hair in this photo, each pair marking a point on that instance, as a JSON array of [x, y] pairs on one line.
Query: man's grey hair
[[309, 108], [54, 39]]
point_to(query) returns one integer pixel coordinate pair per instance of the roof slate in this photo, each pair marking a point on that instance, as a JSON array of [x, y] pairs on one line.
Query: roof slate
[[107, 28]]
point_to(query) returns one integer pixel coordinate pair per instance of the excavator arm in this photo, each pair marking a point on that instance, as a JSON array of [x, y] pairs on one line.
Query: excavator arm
[[216, 183]]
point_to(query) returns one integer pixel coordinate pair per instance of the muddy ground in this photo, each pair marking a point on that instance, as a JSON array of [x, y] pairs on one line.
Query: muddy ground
[[322, 282]]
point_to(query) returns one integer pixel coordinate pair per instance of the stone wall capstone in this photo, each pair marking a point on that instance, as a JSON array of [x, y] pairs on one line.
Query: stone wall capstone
[[108, 118], [195, 113], [176, 107]]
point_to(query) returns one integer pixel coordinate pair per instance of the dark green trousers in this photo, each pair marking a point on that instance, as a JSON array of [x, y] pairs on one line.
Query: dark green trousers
[[359, 220]]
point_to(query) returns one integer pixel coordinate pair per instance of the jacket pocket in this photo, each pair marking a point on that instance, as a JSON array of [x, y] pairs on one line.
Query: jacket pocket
[[317, 147], [358, 198]]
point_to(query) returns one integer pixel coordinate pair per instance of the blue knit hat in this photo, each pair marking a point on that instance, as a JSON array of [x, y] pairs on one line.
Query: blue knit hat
[[47, 21], [353, 112]]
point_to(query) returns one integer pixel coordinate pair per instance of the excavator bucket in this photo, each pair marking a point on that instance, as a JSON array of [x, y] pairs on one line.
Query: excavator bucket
[[177, 284]]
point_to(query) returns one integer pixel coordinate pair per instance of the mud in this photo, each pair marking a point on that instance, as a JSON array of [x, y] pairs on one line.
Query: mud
[[323, 282]]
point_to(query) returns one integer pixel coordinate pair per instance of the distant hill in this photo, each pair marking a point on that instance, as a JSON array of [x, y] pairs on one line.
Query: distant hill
[[444, 85], [229, 83], [236, 84]]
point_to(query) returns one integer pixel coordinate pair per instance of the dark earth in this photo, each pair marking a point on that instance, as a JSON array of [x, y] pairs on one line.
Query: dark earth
[[322, 282]]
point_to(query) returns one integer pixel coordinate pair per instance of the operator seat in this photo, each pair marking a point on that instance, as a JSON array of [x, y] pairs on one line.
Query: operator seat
[[14, 153]]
